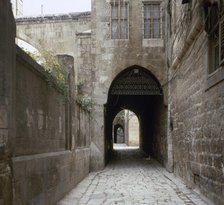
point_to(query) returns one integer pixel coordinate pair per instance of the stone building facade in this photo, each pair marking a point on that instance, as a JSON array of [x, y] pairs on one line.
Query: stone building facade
[[114, 54], [162, 59], [195, 96], [132, 130], [17, 7]]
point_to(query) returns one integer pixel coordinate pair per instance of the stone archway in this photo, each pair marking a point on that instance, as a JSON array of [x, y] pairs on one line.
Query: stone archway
[[138, 90], [118, 134]]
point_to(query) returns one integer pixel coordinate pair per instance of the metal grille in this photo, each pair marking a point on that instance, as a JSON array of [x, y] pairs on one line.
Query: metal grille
[[136, 82]]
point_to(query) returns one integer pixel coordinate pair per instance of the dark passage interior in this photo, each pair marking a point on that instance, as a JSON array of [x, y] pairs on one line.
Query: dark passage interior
[[136, 89]]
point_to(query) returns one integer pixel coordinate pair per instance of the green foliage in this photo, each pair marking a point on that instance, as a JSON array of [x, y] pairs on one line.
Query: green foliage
[[52, 66], [79, 86], [55, 76], [32, 55], [85, 102]]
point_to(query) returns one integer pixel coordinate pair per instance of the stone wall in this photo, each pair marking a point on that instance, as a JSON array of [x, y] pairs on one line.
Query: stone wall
[[160, 141], [196, 105], [84, 63], [62, 34], [40, 111], [7, 89], [133, 132], [83, 129], [47, 159], [56, 34], [46, 178]]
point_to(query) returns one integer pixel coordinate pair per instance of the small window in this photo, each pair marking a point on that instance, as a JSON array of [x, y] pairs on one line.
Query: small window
[[214, 26], [221, 39], [119, 20], [152, 20]]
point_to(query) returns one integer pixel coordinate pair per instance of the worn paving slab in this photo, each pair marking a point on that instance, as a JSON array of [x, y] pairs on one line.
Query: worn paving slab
[[131, 179]]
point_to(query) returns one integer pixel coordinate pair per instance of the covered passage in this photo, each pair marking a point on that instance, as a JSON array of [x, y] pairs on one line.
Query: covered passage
[[136, 89]]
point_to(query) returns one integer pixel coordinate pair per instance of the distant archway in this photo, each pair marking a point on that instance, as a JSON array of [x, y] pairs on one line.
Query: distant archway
[[118, 134], [126, 128]]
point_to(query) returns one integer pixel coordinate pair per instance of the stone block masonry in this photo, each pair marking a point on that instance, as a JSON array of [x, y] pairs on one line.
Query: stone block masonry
[[46, 162], [112, 56], [55, 33], [196, 107], [7, 103], [40, 111]]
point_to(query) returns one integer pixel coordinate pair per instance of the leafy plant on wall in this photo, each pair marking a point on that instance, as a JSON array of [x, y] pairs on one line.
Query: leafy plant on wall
[[55, 76], [85, 102]]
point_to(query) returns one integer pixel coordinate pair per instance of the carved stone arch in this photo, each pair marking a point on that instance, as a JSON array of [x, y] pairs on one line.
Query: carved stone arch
[[28, 37], [27, 43], [135, 80]]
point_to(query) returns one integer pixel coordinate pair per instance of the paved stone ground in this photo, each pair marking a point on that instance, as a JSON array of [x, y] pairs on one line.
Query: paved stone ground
[[131, 179]]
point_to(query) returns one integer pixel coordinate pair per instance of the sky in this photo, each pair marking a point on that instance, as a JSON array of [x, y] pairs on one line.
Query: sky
[[33, 7]]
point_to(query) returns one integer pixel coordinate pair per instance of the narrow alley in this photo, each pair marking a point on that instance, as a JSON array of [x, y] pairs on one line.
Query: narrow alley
[[132, 178], [87, 95]]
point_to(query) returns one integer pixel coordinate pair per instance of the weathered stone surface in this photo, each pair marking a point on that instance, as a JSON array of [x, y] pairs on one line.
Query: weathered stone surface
[[45, 178], [7, 89], [196, 107], [40, 111], [132, 179], [111, 56], [54, 33], [44, 169]]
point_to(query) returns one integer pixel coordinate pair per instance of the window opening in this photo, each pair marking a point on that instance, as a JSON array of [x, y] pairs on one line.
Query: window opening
[[119, 19], [214, 26], [152, 20]]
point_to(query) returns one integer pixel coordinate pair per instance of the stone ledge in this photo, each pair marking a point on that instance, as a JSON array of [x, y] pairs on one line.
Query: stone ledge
[[54, 17], [193, 34], [152, 43], [215, 78], [50, 154], [24, 58], [39, 156], [87, 33]]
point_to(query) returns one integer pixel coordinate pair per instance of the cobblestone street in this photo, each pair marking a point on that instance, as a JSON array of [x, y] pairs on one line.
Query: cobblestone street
[[132, 179]]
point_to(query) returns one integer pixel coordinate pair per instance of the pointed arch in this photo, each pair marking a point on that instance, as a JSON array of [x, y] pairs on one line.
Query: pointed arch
[[135, 80]]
